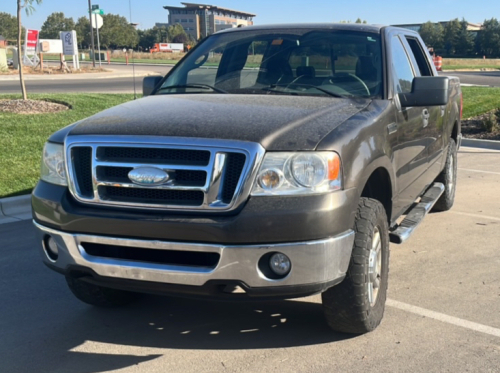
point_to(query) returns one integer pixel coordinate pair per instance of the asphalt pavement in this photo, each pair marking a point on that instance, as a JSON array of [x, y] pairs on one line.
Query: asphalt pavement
[[486, 78], [121, 84], [443, 312]]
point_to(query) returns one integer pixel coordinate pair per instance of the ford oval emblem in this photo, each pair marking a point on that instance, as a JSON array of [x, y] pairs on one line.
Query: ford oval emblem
[[148, 176]]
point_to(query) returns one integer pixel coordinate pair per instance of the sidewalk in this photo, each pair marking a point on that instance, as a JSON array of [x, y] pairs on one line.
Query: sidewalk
[[110, 74]]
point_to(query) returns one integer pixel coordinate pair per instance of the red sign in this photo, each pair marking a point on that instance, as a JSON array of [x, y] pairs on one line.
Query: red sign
[[31, 41]]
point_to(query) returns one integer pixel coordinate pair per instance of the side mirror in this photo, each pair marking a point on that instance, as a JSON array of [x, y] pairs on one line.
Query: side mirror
[[427, 91], [149, 84]]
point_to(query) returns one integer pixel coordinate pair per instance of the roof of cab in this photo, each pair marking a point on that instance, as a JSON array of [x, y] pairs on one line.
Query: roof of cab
[[318, 26]]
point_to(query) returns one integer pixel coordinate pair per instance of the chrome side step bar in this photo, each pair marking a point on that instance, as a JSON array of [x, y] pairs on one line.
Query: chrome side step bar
[[417, 214]]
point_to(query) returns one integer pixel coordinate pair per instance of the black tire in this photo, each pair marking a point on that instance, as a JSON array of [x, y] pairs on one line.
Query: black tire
[[347, 306], [97, 295], [449, 179]]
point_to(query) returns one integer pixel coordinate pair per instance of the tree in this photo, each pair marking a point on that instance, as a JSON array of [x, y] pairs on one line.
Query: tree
[[82, 28], [175, 30], [360, 21], [465, 40], [180, 38], [148, 38], [488, 39], [452, 33], [8, 26], [28, 6], [432, 34], [116, 32], [55, 23]]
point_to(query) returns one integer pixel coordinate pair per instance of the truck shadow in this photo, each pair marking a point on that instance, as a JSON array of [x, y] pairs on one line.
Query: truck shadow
[[100, 340], [176, 323], [45, 329]]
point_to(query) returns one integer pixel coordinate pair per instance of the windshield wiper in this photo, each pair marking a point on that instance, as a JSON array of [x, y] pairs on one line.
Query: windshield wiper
[[333, 94], [330, 93], [197, 85]]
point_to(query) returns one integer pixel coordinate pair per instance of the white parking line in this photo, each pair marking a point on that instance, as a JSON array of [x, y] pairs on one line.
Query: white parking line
[[486, 217], [480, 171], [473, 85], [444, 318]]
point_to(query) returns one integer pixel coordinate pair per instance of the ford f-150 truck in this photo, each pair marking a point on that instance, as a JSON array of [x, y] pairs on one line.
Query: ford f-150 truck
[[272, 162]]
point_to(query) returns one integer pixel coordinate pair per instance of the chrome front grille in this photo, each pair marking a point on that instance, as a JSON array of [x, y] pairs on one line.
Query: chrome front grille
[[204, 174]]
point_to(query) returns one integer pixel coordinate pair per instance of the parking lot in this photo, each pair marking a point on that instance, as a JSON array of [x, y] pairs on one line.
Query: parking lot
[[443, 312]]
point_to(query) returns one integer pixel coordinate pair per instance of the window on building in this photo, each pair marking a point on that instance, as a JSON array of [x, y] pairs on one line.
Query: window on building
[[191, 20]]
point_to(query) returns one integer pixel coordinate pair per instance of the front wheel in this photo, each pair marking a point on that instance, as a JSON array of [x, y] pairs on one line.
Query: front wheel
[[357, 304]]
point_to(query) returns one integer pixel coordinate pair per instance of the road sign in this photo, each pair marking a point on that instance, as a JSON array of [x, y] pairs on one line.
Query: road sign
[[97, 21], [95, 6], [98, 11]]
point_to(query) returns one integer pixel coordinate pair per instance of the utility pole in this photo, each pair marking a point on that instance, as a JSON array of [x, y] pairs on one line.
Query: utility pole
[[92, 34]]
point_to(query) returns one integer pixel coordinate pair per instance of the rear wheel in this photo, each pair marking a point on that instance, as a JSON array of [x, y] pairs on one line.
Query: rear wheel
[[449, 179], [97, 295], [357, 304]]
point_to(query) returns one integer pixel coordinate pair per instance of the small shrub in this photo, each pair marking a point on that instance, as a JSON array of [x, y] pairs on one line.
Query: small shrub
[[497, 115], [490, 123]]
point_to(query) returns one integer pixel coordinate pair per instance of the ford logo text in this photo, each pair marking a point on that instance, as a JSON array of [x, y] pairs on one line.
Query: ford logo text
[[148, 176]]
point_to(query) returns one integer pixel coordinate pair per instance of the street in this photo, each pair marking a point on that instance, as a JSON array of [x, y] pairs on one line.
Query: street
[[487, 78], [126, 84], [443, 312]]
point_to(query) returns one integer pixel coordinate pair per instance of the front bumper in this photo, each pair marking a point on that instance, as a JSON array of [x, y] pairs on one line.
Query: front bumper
[[316, 265]]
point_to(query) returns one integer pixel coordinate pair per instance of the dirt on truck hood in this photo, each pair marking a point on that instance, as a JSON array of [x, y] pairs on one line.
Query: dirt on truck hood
[[276, 122]]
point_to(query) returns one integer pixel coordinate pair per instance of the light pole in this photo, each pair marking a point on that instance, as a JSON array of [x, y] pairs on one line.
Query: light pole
[[92, 34]]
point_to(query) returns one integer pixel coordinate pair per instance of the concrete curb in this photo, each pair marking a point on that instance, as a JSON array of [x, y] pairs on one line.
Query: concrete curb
[[482, 144], [14, 209]]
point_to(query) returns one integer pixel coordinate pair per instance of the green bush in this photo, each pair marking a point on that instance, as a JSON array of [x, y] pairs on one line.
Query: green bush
[[490, 123]]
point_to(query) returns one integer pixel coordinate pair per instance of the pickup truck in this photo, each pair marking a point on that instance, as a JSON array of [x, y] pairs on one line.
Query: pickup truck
[[272, 162]]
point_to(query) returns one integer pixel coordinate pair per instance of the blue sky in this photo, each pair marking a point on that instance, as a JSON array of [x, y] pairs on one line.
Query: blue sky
[[147, 12]]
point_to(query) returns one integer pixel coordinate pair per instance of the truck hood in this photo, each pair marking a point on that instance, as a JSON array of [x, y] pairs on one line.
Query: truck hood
[[276, 122]]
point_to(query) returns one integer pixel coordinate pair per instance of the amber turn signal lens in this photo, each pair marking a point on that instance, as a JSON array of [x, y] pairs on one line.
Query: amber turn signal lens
[[333, 166]]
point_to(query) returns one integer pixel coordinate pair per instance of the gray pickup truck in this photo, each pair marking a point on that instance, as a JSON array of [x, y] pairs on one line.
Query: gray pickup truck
[[271, 162]]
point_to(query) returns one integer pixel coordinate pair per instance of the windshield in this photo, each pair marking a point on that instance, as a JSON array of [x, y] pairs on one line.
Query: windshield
[[287, 62]]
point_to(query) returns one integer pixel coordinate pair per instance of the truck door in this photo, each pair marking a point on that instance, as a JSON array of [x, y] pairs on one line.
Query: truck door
[[434, 126], [410, 154]]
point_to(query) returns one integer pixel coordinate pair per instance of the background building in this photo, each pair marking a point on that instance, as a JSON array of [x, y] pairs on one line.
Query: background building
[[201, 20]]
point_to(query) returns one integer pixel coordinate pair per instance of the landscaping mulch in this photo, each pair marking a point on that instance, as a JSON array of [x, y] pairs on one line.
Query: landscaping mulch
[[472, 128], [31, 106]]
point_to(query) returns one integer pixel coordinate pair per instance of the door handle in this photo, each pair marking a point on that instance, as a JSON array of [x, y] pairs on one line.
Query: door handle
[[425, 117]]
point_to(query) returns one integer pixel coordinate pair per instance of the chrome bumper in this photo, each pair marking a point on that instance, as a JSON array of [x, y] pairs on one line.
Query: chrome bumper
[[313, 262]]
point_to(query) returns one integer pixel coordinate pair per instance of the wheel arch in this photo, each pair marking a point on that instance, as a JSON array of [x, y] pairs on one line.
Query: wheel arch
[[378, 185]]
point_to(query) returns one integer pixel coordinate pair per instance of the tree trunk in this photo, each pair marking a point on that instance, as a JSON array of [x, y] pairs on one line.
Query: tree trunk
[[19, 48]]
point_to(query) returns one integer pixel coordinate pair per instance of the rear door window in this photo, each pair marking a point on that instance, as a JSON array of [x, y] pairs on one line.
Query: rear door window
[[420, 57]]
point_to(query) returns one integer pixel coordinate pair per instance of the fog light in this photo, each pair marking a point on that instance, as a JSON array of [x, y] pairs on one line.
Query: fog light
[[51, 248], [280, 264]]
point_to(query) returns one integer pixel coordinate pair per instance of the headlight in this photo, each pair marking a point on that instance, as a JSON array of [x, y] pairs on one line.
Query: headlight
[[298, 173], [53, 165]]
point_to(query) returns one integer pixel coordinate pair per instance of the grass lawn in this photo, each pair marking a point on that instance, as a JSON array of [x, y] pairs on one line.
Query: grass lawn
[[470, 67], [22, 136], [479, 100]]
